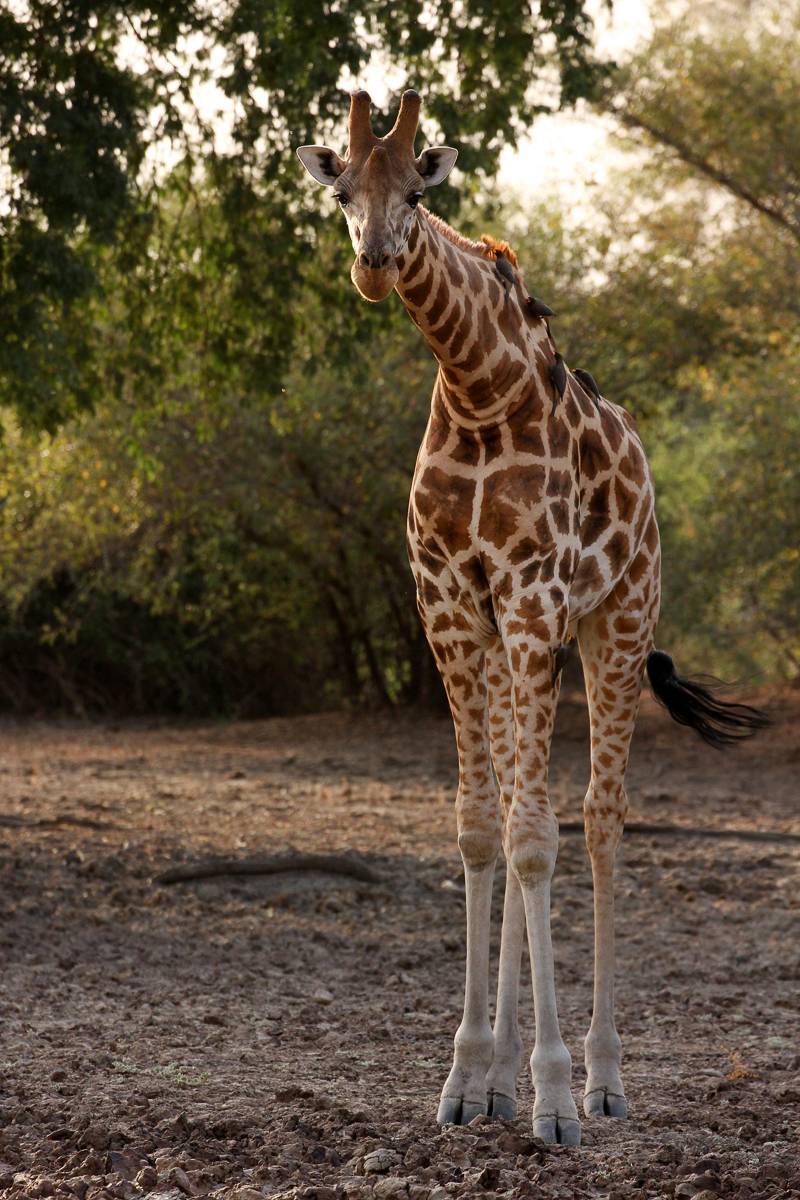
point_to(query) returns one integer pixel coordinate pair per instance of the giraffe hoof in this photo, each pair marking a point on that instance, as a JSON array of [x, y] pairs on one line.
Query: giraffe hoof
[[557, 1130], [502, 1108], [455, 1110], [600, 1102]]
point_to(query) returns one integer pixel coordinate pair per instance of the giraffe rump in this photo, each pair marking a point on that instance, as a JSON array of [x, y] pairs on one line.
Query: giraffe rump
[[691, 703]]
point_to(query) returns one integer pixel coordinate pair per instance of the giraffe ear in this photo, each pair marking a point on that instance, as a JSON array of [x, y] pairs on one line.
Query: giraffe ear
[[322, 164], [436, 163]]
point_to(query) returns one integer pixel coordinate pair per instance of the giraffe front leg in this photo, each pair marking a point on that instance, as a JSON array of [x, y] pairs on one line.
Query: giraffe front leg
[[532, 857], [532, 632], [478, 820], [501, 1082]]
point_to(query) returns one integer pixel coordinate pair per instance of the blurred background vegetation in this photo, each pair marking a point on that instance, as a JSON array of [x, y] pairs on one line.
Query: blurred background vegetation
[[208, 439]]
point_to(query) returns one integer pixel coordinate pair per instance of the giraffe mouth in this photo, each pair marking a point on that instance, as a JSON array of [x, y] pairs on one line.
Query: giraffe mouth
[[375, 283]]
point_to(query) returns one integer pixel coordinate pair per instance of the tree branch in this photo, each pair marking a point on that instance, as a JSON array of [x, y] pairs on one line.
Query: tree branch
[[694, 159], [330, 864]]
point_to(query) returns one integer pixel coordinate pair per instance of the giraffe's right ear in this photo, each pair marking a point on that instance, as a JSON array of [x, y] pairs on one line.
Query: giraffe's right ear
[[322, 164], [436, 163]]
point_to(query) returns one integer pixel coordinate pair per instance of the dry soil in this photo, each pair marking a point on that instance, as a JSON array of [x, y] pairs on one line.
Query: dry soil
[[289, 1035]]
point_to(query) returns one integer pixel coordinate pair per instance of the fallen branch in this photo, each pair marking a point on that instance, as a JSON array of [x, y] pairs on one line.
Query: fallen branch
[[12, 821], [739, 835], [331, 864]]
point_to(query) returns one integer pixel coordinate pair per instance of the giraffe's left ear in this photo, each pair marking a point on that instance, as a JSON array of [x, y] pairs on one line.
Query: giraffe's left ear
[[436, 163], [322, 164]]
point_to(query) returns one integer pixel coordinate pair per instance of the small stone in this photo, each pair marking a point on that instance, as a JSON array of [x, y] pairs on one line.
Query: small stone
[[696, 1184], [489, 1177], [392, 1187], [516, 1143], [96, 1137], [58, 1075], [147, 1178], [709, 1162], [62, 1134], [481, 1119], [178, 1177], [322, 995], [379, 1161], [703, 1180]]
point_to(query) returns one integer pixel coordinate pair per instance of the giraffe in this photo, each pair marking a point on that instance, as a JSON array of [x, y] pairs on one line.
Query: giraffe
[[531, 524]]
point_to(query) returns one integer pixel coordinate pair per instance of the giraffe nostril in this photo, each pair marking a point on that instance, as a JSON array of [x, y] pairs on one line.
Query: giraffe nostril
[[375, 260]]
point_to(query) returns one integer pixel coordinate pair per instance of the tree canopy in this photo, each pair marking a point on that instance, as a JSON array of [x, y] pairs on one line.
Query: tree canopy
[[95, 96], [208, 441]]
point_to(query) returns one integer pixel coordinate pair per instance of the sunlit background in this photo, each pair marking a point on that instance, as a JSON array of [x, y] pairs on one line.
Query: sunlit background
[[208, 437]]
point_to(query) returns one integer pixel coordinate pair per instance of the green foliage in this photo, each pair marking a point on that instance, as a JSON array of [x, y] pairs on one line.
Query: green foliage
[[213, 520], [723, 102], [93, 96]]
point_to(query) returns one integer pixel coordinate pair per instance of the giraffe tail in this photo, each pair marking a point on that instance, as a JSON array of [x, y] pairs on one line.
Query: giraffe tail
[[691, 703]]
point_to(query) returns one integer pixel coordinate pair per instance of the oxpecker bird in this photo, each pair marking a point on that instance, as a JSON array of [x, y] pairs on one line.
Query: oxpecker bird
[[588, 383], [558, 377], [538, 308], [504, 270]]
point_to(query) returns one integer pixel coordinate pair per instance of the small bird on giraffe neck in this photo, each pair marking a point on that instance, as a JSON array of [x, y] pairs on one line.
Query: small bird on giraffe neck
[[505, 270], [558, 377]]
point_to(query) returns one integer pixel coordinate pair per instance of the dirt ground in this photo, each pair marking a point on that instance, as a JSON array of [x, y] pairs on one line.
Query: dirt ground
[[267, 1036]]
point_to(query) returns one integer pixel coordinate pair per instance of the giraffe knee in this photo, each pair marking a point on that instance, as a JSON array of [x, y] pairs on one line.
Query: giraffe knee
[[479, 847], [531, 847]]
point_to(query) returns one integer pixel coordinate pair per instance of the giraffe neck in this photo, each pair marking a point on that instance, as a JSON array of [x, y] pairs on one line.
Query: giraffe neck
[[492, 356]]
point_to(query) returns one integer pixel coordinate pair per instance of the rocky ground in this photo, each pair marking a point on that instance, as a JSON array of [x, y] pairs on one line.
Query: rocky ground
[[288, 1035]]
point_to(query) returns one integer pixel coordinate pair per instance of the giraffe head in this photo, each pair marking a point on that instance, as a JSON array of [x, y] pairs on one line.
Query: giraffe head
[[378, 186]]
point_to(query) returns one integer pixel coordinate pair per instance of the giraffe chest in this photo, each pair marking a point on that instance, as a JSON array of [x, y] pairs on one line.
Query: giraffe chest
[[569, 521], [483, 534]]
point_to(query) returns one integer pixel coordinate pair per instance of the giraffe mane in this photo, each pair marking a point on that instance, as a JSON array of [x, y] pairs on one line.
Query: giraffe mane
[[497, 247], [463, 243]]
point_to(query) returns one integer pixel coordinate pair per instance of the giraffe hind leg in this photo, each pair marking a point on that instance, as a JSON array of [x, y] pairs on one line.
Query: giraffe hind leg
[[534, 626], [614, 642]]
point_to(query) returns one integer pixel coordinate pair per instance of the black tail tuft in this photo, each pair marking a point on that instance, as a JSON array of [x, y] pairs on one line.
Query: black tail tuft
[[690, 703]]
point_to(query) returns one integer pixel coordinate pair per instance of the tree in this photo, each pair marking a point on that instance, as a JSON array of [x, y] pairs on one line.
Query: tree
[[723, 106], [90, 90]]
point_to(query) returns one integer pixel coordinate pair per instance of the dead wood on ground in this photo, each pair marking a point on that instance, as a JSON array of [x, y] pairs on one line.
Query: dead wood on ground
[[330, 864]]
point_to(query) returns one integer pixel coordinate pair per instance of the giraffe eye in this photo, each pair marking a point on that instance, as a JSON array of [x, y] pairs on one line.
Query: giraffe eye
[[414, 199], [342, 199]]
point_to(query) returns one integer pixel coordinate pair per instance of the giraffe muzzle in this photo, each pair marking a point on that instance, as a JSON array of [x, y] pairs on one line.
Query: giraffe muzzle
[[374, 260], [374, 274]]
